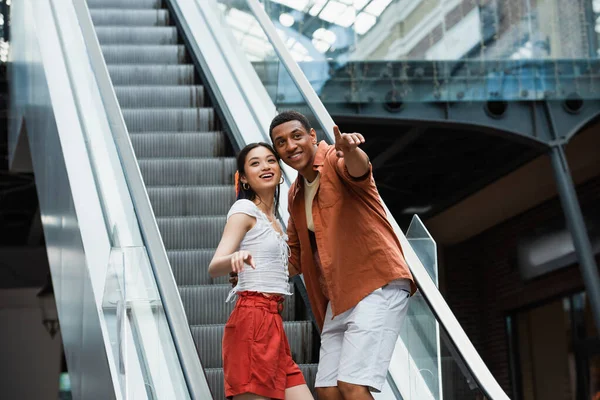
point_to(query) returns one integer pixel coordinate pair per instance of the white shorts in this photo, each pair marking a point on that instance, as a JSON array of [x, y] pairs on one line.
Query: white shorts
[[356, 346]]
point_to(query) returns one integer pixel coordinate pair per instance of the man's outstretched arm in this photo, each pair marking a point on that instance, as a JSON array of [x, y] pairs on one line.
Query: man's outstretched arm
[[346, 145]]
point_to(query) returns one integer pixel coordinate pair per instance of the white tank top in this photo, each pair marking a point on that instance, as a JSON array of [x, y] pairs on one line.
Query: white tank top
[[269, 251]]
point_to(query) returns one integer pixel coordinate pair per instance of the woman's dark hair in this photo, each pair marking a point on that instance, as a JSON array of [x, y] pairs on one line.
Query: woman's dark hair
[[241, 161]]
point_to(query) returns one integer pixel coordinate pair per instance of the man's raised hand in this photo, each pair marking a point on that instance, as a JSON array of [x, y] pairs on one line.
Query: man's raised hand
[[346, 143]]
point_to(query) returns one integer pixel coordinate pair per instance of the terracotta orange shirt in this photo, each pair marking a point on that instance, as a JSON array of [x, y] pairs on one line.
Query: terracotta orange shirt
[[358, 248]]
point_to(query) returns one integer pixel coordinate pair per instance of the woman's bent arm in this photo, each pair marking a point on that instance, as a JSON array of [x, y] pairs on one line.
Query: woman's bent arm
[[227, 257]]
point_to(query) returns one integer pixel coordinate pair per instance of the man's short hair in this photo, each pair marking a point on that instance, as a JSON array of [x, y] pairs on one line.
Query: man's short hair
[[287, 116]]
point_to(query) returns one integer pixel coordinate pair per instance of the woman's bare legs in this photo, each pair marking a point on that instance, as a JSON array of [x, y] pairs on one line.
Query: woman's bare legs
[[300, 392], [249, 396]]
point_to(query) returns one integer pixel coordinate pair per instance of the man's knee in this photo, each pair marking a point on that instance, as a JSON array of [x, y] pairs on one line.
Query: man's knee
[[351, 391], [328, 393]]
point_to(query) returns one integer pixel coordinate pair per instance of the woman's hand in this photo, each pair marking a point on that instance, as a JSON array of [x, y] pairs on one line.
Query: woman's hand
[[233, 279], [239, 258]]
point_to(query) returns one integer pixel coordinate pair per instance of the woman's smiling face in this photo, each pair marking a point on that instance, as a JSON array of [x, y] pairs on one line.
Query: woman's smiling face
[[261, 169]]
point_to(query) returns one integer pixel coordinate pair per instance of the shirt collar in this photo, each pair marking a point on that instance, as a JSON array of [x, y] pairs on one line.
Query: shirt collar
[[318, 162]]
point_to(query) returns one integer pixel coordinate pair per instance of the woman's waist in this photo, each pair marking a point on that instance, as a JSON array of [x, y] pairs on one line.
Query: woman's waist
[[271, 286], [268, 269], [271, 302]]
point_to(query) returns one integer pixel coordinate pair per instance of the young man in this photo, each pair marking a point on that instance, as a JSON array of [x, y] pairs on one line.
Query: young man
[[356, 277]]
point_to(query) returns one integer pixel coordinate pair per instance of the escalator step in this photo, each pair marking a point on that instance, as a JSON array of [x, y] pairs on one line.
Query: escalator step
[[155, 35], [127, 4], [174, 172], [175, 201], [145, 54], [179, 145], [115, 16], [180, 233], [170, 120], [208, 339], [206, 305], [190, 267], [160, 96], [216, 381], [152, 74]]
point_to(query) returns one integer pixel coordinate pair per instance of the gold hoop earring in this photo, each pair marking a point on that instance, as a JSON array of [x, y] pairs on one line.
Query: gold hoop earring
[[281, 181], [245, 186]]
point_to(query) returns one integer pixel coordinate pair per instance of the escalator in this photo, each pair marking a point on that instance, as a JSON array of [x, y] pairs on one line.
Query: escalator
[[187, 163], [176, 102]]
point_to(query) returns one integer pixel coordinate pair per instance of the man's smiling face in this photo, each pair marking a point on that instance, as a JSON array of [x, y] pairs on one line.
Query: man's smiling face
[[295, 145]]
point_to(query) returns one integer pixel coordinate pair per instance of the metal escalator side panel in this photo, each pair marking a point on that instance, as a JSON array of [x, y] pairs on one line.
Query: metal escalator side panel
[[165, 282], [143, 346], [69, 203]]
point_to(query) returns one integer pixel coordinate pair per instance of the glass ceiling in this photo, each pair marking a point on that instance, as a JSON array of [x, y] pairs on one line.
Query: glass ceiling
[[361, 14], [356, 16]]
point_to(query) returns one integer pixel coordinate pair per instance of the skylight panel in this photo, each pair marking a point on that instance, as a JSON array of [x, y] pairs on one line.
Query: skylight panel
[[358, 4], [317, 7], [377, 7], [257, 31], [347, 18], [239, 36], [332, 11], [256, 46], [299, 5], [239, 18], [364, 22]]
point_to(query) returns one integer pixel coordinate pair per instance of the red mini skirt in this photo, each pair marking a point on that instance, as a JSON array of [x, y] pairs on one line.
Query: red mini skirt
[[256, 353]]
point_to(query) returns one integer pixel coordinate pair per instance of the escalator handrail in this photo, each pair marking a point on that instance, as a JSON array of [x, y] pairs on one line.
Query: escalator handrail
[[423, 280], [191, 365]]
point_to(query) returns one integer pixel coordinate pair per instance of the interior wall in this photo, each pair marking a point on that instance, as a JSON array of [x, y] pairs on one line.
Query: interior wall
[[546, 373], [483, 284], [30, 358]]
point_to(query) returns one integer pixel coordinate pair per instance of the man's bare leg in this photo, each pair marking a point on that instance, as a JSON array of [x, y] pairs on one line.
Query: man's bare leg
[[350, 391], [329, 393]]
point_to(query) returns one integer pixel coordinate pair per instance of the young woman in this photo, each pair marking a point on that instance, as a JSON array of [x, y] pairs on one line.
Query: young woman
[[257, 361]]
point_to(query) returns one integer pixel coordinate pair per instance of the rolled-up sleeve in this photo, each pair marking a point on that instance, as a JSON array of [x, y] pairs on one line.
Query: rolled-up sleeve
[[363, 182]]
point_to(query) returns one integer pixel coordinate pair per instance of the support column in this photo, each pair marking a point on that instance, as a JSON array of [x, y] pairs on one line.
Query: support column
[[576, 226]]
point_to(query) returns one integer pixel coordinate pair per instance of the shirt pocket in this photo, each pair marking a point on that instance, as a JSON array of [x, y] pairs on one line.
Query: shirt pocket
[[329, 194]]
